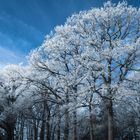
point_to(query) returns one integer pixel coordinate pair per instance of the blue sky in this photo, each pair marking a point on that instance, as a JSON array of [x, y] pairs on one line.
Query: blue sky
[[24, 23]]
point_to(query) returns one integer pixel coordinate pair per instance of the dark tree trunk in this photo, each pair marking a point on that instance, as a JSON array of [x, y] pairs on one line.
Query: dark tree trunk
[[10, 133], [75, 125], [110, 121], [58, 122], [42, 131], [91, 123], [66, 129], [35, 130], [48, 123], [75, 113], [10, 122]]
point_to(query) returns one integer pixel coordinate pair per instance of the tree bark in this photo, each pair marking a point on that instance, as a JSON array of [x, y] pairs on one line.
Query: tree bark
[[75, 114], [35, 130], [42, 131], [58, 121], [91, 123], [75, 125], [110, 121], [66, 129], [48, 123], [10, 132], [10, 126]]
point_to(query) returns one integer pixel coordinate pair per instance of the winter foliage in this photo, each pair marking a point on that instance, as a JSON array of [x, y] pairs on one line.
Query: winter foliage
[[82, 83]]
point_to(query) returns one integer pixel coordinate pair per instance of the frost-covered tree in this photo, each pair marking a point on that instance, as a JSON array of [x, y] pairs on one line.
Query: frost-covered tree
[[11, 90], [81, 83], [110, 39], [107, 43], [61, 65]]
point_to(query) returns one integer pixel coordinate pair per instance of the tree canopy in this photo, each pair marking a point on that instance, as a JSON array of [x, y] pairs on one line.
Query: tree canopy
[[82, 83]]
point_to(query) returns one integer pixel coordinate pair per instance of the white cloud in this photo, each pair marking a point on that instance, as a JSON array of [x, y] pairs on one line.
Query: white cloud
[[21, 27], [12, 51], [7, 56], [15, 47]]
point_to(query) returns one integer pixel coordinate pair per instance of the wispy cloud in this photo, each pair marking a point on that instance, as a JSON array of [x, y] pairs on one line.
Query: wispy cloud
[[12, 51], [7, 56], [19, 27], [16, 40]]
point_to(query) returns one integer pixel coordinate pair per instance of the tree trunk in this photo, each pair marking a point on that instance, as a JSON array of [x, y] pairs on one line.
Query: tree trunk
[[58, 122], [110, 103], [10, 126], [10, 133], [75, 125], [75, 113], [48, 123], [110, 121], [35, 130], [42, 131], [91, 123], [66, 129], [21, 134]]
